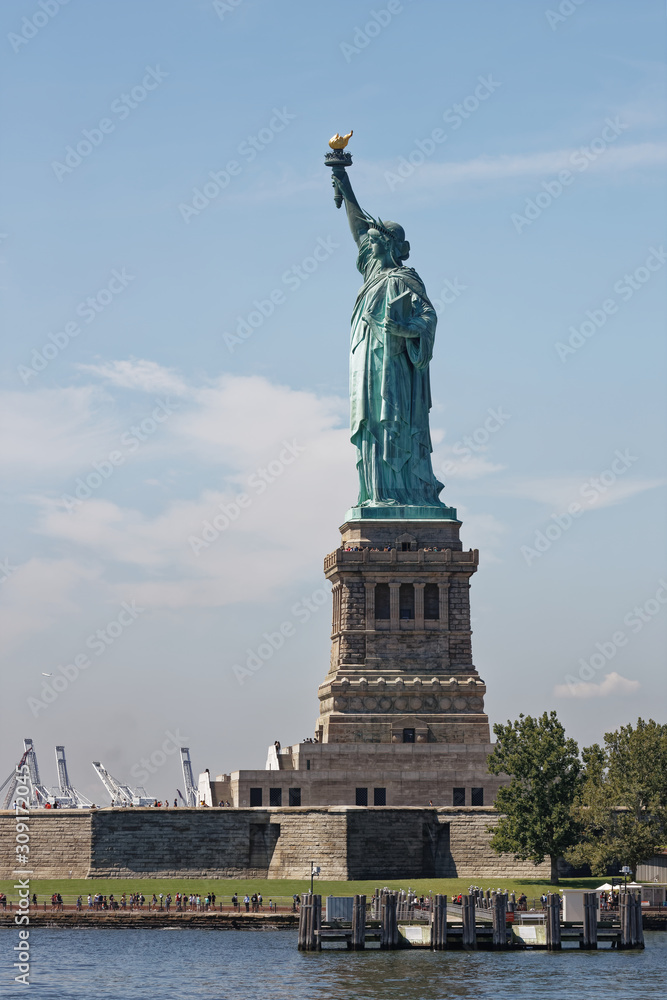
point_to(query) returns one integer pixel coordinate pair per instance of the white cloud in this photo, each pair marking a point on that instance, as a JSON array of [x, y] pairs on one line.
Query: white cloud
[[612, 684], [147, 376], [437, 176], [244, 418], [558, 492], [52, 430], [457, 461], [481, 531], [287, 450]]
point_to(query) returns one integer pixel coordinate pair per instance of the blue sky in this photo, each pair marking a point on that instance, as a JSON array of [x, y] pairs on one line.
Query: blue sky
[[524, 152]]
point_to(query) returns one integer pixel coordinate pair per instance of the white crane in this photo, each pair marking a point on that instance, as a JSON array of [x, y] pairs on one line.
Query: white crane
[[68, 796], [12, 781], [191, 793], [121, 794], [39, 795]]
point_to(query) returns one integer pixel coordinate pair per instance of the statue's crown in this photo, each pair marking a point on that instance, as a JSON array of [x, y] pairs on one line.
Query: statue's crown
[[381, 227]]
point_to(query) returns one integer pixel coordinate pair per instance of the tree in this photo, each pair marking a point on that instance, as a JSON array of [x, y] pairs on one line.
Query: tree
[[622, 804], [544, 769]]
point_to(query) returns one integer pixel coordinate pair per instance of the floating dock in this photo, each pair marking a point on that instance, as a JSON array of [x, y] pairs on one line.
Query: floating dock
[[392, 920]]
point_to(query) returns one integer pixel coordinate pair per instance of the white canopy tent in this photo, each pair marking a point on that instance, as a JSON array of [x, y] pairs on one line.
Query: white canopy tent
[[654, 895]]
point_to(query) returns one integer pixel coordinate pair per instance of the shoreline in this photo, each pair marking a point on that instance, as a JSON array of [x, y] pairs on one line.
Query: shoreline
[[158, 919]]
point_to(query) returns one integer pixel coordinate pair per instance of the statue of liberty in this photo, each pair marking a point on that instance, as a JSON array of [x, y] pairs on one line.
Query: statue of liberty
[[393, 328]]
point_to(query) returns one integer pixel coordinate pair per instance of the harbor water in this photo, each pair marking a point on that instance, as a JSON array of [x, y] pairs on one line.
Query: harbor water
[[170, 964]]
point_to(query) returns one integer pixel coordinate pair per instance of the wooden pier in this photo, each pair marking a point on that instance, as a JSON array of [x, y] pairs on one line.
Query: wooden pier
[[484, 921]]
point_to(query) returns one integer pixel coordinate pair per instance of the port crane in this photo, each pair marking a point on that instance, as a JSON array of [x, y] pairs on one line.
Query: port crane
[[68, 796], [12, 781], [120, 793], [38, 795], [191, 797]]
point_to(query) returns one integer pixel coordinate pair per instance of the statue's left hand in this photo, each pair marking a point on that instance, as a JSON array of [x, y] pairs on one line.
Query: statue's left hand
[[397, 330]]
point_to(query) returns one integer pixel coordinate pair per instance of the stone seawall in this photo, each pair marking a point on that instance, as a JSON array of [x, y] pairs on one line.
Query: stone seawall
[[348, 842], [60, 843]]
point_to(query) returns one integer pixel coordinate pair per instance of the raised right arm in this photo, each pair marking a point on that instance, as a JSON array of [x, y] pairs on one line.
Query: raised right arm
[[356, 217]]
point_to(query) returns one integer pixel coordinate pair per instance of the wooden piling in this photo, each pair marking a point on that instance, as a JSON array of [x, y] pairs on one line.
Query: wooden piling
[[439, 923], [624, 918], [388, 921], [358, 935], [317, 923], [469, 936], [589, 937], [630, 918], [303, 920], [553, 921], [639, 927], [499, 914], [310, 922]]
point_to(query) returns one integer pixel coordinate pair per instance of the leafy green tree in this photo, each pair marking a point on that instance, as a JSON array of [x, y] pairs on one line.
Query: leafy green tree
[[622, 804], [544, 769]]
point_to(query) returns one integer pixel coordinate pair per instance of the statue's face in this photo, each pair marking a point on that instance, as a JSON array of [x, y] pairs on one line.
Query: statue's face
[[379, 246]]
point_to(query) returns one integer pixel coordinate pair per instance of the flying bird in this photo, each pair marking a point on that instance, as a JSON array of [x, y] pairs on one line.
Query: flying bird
[[44, 674]]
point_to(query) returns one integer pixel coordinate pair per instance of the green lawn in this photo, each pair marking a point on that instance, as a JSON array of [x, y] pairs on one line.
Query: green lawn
[[278, 888]]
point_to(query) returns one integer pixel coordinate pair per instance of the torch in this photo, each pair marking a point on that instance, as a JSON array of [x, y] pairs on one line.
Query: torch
[[338, 158]]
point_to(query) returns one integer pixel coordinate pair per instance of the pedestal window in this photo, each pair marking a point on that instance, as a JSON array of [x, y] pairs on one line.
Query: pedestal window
[[431, 602], [406, 602], [382, 606]]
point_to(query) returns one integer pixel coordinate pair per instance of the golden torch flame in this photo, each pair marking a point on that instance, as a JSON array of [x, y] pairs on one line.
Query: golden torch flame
[[339, 141]]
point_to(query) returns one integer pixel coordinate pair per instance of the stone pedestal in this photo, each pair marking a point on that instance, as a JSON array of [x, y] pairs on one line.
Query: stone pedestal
[[401, 658]]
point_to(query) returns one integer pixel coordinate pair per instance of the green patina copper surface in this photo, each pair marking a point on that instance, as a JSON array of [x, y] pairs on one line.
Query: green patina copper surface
[[393, 329]]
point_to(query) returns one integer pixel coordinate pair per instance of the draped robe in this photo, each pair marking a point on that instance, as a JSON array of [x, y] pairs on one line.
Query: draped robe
[[390, 394]]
